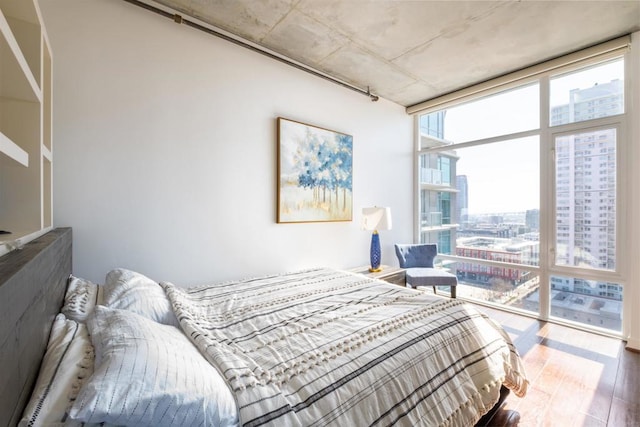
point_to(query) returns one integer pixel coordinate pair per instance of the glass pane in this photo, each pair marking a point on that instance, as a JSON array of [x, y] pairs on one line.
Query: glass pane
[[498, 202], [589, 302], [437, 169], [508, 286], [586, 200], [507, 112], [433, 124], [437, 194], [588, 94], [443, 236]]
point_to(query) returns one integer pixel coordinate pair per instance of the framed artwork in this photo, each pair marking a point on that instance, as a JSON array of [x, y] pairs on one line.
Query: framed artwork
[[314, 173]]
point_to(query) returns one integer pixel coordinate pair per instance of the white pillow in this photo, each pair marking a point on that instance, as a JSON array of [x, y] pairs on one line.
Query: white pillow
[[81, 298], [149, 374], [67, 362], [128, 290]]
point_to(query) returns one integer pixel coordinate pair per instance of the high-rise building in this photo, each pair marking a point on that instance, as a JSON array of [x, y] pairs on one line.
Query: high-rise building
[[433, 124], [532, 219], [438, 193], [586, 187], [462, 209], [600, 100]]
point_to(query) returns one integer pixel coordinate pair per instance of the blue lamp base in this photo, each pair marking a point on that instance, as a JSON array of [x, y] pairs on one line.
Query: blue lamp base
[[375, 253]]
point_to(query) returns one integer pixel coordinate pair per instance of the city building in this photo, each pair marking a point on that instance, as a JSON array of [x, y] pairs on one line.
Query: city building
[[462, 207], [532, 219], [509, 250], [586, 187], [439, 195]]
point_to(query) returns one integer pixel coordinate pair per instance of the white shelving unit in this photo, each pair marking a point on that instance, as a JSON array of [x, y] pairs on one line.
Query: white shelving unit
[[26, 148]]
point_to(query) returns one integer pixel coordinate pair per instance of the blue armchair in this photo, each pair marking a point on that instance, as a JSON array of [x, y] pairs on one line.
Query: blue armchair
[[417, 259]]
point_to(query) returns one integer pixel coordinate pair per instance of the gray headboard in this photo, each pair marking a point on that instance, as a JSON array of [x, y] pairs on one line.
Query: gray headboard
[[32, 286]]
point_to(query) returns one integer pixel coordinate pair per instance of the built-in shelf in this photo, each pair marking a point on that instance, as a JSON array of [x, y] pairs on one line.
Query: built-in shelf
[[47, 154], [26, 148], [47, 97], [47, 193], [13, 151], [18, 81]]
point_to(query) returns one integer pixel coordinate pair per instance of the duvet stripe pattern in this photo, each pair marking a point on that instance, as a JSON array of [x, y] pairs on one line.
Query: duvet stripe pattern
[[325, 347]]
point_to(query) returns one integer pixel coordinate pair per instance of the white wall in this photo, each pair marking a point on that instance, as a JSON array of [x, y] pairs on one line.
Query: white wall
[[165, 151]]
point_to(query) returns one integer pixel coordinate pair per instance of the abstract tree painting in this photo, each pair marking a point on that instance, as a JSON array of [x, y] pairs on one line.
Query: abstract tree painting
[[314, 173]]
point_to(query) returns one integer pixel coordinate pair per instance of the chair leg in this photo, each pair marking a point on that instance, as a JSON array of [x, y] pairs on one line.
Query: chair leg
[[434, 290], [453, 291]]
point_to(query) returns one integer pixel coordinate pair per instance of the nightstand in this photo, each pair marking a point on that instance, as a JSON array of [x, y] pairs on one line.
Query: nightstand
[[395, 275]]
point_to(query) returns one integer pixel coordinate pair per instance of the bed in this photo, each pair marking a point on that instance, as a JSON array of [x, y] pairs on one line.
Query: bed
[[314, 347]]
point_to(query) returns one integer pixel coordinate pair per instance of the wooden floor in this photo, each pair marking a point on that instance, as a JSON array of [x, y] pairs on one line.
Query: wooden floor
[[576, 378]]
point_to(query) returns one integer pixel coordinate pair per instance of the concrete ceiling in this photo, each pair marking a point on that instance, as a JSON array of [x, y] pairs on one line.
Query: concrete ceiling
[[411, 51]]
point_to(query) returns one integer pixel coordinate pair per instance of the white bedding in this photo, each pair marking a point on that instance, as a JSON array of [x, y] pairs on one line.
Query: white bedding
[[313, 348], [148, 374], [66, 363], [81, 298], [324, 347]]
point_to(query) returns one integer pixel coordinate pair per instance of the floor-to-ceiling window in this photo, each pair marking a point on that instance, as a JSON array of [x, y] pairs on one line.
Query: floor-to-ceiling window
[[586, 109], [520, 189]]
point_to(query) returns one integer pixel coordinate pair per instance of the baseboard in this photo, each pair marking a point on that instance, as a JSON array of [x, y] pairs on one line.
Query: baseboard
[[633, 345]]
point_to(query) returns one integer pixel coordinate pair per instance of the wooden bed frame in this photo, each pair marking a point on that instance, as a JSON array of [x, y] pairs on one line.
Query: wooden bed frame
[[32, 285]]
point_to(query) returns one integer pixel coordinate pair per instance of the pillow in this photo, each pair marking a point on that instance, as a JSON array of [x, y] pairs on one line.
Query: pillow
[[149, 374], [128, 290], [67, 362], [81, 297]]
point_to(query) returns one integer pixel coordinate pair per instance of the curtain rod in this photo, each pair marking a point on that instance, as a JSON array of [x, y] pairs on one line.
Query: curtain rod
[[179, 19]]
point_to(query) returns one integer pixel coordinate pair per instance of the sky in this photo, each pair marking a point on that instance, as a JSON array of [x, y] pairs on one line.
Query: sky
[[504, 177]]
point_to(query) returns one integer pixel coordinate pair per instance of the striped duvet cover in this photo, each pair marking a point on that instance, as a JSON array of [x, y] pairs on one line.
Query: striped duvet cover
[[325, 347]]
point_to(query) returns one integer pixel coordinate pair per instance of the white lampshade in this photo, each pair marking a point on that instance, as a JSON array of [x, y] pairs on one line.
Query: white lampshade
[[376, 218]]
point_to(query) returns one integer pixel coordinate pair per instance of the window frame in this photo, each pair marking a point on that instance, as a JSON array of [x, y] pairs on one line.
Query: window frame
[[619, 273], [547, 135]]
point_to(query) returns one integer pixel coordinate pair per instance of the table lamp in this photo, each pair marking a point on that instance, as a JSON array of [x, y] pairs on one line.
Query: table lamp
[[375, 219]]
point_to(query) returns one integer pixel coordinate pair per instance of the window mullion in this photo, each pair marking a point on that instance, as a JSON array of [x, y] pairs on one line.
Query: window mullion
[[547, 195]]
